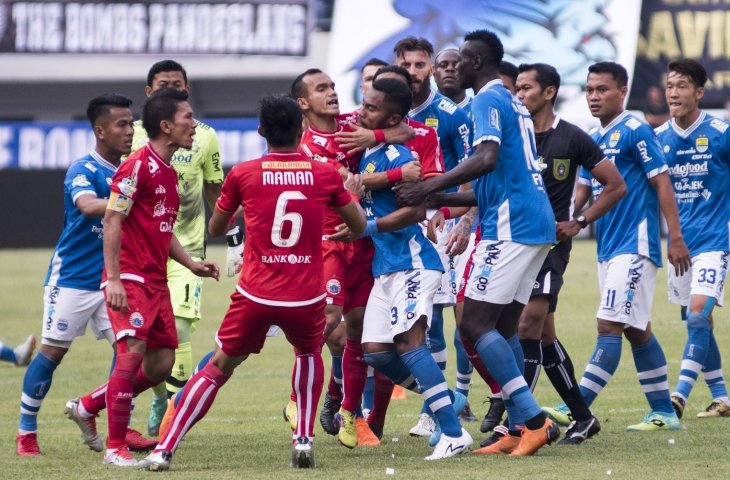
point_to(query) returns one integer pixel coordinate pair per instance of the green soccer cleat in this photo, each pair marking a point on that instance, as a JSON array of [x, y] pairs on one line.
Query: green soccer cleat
[[560, 414], [654, 421]]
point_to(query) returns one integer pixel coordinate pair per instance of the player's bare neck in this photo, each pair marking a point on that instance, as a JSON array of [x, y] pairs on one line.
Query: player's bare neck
[[543, 119], [605, 121], [686, 121], [456, 96], [164, 148], [323, 123], [421, 96], [108, 154]]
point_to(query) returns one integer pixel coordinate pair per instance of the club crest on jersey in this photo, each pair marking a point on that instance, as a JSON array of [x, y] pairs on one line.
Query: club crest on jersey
[[80, 181], [370, 167], [561, 168], [701, 144], [432, 122], [136, 319], [614, 138], [333, 286]]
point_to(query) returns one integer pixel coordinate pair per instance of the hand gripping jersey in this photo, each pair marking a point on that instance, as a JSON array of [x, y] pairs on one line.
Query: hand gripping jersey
[[405, 249], [145, 190], [78, 258], [699, 165], [201, 164], [632, 225], [284, 197], [451, 124], [512, 201]]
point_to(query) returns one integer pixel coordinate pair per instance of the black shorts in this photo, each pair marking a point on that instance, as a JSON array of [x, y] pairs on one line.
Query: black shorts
[[550, 279]]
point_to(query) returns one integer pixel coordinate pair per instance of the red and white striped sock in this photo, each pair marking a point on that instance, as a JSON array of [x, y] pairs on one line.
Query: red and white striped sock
[[307, 381], [197, 397]]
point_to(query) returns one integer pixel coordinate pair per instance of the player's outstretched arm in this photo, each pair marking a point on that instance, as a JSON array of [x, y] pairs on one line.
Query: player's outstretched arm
[[677, 253], [116, 296], [202, 268], [219, 222], [410, 172], [396, 220], [614, 189], [91, 206], [483, 161]]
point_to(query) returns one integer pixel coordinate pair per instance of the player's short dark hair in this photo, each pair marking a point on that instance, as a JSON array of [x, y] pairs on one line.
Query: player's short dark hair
[[617, 71], [297, 89], [546, 75], [689, 68], [395, 69], [374, 62], [509, 69], [161, 105], [280, 120], [413, 44], [395, 93], [492, 49], [165, 66], [101, 105]]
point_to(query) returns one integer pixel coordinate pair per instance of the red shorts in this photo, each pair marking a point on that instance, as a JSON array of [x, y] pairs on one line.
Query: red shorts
[[348, 272], [149, 318], [244, 327]]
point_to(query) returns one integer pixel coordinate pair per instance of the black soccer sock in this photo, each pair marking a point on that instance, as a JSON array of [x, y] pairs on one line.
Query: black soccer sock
[[559, 369], [533, 361]]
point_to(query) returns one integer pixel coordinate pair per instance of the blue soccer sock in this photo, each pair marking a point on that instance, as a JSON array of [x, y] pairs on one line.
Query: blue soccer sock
[[435, 391], [499, 358], [201, 365], [712, 371], [36, 383], [368, 394], [695, 352], [651, 368], [393, 367], [6, 353], [601, 367], [436, 340], [464, 368], [337, 370]]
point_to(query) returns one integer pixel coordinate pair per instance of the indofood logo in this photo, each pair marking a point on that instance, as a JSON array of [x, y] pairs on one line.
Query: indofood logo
[[688, 169]]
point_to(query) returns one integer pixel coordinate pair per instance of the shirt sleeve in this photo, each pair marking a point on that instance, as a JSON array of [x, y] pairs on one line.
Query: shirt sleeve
[[212, 171], [648, 151], [231, 192], [584, 177], [590, 154], [79, 181], [462, 134], [432, 159], [487, 119], [340, 196]]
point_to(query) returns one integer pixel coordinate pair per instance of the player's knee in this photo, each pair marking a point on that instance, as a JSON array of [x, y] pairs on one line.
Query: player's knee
[[380, 359], [697, 321]]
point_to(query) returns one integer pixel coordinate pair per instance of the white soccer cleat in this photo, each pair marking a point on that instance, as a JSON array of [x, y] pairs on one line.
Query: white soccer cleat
[[24, 351], [450, 447], [302, 453], [156, 461], [86, 425], [424, 427], [120, 457]]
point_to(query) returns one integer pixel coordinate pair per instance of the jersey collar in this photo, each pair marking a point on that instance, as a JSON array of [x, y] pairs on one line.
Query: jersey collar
[[490, 84], [614, 122], [686, 133], [101, 160], [422, 107]]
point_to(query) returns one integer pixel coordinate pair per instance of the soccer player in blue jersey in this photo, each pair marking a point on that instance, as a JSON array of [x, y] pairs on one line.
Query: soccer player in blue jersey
[[518, 227], [72, 298], [629, 250], [697, 148], [407, 271], [453, 128]]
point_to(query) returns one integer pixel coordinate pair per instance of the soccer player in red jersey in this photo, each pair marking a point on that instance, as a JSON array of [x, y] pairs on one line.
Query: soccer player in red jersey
[[284, 196], [138, 240]]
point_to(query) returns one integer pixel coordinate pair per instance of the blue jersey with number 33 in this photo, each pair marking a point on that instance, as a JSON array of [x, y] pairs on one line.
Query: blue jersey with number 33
[[513, 203]]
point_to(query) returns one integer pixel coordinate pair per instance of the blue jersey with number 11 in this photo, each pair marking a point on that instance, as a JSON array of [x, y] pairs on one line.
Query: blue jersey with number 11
[[513, 203]]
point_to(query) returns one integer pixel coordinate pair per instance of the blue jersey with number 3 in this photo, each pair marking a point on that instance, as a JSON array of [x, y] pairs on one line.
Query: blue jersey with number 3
[[404, 249], [78, 259], [513, 204]]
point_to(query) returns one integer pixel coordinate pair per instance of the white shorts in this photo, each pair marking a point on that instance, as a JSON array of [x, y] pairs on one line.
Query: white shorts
[[464, 259], [397, 301], [627, 290], [67, 311], [707, 277], [448, 288], [503, 272]]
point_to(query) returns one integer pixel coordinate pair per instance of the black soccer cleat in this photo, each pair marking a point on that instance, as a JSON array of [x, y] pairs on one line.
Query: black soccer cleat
[[327, 415], [493, 416], [578, 432]]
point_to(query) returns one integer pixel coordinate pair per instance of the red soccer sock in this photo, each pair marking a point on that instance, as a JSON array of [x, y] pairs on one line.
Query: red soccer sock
[[95, 401], [381, 398], [479, 366], [354, 374], [307, 381], [197, 397], [119, 394]]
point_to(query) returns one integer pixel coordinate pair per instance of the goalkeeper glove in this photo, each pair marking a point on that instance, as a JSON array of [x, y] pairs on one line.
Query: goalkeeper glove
[[234, 257]]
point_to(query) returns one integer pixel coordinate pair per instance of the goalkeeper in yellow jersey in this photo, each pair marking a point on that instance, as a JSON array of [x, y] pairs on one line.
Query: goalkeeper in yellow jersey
[[200, 177]]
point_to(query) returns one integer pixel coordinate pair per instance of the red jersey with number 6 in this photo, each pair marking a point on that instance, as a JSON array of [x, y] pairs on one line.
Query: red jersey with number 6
[[284, 198]]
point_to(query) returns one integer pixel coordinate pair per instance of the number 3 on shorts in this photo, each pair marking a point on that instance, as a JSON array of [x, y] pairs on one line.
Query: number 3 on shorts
[[281, 216]]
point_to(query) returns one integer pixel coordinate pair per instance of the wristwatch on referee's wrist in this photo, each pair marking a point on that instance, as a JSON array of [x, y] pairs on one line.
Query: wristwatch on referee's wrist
[[581, 220]]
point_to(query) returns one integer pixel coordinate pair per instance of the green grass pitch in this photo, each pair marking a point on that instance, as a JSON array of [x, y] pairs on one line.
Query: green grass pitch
[[244, 436]]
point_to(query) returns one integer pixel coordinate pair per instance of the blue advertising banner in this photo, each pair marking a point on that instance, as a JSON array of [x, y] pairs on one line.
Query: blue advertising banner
[[54, 145]]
